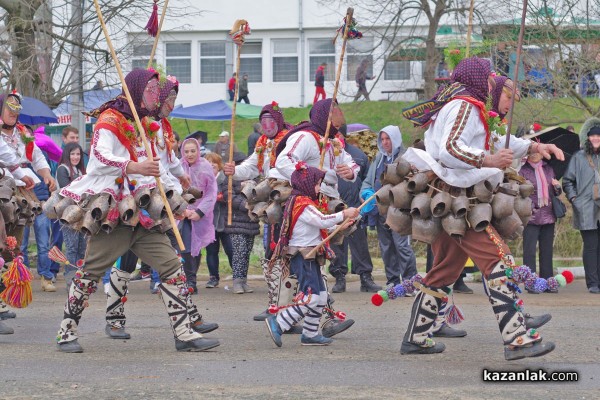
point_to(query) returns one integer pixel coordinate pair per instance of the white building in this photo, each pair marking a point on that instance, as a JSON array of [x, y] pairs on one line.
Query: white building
[[289, 40]]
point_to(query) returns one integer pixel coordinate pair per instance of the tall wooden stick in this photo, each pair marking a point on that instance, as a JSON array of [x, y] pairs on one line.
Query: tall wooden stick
[[516, 76], [232, 129], [470, 29], [349, 14], [314, 251], [162, 18], [138, 123]]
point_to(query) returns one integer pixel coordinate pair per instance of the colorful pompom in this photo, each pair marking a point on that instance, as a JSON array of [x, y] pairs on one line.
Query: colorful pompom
[[568, 276], [399, 291], [562, 281], [521, 273], [540, 285], [454, 315], [553, 284], [154, 126], [532, 333], [519, 305], [377, 299]]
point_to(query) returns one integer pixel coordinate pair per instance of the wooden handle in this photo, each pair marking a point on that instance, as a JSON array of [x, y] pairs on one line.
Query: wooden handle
[[233, 107], [138, 124], [349, 14], [314, 251]]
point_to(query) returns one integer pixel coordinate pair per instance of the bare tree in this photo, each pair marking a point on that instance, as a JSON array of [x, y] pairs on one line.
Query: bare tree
[[43, 42], [400, 24]]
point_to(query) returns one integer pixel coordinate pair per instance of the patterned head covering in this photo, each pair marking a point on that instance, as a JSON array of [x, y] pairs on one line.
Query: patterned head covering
[[3, 97], [165, 90], [136, 82], [319, 113], [470, 78], [276, 113], [473, 73], [304, 179]]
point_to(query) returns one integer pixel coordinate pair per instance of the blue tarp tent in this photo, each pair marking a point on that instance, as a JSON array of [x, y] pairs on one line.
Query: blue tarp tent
[[219, 110]]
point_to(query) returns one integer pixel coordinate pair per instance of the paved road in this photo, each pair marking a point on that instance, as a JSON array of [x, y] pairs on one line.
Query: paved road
[[363, 362]]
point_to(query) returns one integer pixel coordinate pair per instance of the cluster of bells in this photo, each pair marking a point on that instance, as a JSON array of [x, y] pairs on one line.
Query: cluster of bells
[[419, 204], [18, 207], [101, 212]]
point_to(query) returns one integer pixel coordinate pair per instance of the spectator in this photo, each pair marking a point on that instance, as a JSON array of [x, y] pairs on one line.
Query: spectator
[[571, 128], [220, 213], [222, 146], [320, 83], [242, 232], [99, 85], [253, 138], [243, 90], [397, 254], [361, 79], [197, 228], [540, 227], [357, 242], [41, 230], [231, 87], [70, 168], [578, 183]]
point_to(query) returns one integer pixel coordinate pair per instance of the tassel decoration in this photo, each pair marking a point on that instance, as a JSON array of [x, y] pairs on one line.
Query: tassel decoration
[[152, 25], [57, 256], [113, 214], [145, 219], [454, 315], [18, 284]]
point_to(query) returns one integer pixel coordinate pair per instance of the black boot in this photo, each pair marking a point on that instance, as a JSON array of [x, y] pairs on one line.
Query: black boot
[[461, 287], [367, 284], [340, 284]]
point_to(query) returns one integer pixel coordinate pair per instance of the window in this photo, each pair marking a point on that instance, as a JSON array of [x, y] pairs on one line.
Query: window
[[251, 61], [321, 51], [285, 60], [140, 52], [212, 62], [179, 61], [359, 50], [397, 71]]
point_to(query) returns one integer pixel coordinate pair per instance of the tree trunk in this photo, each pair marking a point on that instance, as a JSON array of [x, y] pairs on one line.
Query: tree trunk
[[25, 72], [432, 59]]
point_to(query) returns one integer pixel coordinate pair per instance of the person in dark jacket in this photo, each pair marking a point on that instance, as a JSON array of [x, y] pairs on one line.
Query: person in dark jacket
[[578, 183], [320, 83], [253, 138], [242, 232], [357, 242], [361, 80], [243, 89], [540, 227], [219, 219]]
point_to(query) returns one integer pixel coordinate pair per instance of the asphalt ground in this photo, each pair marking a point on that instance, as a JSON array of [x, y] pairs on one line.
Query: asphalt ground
[[363, 362]]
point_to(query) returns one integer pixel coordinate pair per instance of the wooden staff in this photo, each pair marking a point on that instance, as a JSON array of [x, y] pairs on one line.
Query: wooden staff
[[138, 123], [349, 14], [516, 76], [469, 29], [238, 25], [314, 251], [162, 18]]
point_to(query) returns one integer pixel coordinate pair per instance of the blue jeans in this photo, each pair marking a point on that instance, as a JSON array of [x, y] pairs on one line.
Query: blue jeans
[[56, 240], [41, 230], [308, 273], [75, 245]]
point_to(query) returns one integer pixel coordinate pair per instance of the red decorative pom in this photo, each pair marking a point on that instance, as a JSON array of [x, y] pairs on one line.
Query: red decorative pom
[[129, 127], [300, 165], [272, 245], [340, 315], [154, 126], [11, 242], [273, 309], [80, 263], [113, 214], [124, 299], [191, 290], [568, 276], [377, 300]]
